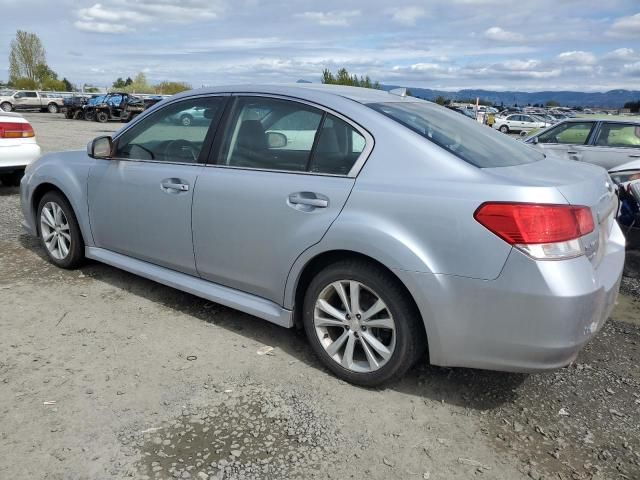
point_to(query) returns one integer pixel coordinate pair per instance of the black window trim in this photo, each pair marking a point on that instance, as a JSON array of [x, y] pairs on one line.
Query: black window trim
[[209, 138], [223, 130], [590, 137]]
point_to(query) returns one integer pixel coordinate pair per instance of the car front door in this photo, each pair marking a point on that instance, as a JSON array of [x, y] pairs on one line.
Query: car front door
[[566, 140], [615, 144], [26, 100], [140, 200], [279, 177]]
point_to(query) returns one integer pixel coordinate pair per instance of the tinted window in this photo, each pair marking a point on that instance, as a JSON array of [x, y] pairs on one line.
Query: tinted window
[[571, 133], [470, 141], [619, 135], [271, 134], [165, 136], [31, 94], [339, 146]]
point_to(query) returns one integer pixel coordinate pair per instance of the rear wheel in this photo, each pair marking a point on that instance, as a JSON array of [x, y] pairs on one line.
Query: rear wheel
[[504, 129], [6, 106], [361, 323], [59, 231], [78, 115], [53, 108], [186, 119], [88, 115], [102, 117]]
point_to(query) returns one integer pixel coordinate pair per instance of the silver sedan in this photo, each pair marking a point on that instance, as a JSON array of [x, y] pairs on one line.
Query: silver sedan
[[386, 226]]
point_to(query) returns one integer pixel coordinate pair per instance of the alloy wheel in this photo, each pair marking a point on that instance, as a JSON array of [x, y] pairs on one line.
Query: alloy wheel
[[354, 326], [54, 228]]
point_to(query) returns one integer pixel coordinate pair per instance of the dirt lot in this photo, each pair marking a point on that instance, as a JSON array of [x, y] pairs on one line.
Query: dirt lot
[[107, 375]]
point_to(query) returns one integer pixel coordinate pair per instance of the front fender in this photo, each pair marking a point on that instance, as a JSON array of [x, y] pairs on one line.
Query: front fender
[[68, 172]]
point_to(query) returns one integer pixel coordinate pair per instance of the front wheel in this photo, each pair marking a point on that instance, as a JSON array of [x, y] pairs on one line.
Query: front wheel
[[361, 323], [88, 115], [504, 129], [6, 107], [53, 108], [59, 231]]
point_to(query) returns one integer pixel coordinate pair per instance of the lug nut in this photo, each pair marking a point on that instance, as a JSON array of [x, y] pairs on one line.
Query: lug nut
[[363, 328], [348, 317], [347, 327], [358, 316]]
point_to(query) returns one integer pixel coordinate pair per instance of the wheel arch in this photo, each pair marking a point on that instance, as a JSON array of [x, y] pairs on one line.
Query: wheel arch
[[325, 258]]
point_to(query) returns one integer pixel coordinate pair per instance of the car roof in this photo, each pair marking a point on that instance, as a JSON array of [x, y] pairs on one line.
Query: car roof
[[358, 94]]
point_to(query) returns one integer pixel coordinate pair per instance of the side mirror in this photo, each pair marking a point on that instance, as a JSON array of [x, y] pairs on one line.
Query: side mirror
[[276, 140], [100, 147]]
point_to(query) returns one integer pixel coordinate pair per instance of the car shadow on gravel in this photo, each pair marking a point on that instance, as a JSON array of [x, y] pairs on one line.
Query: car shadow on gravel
[[6, 191], [462, 387]]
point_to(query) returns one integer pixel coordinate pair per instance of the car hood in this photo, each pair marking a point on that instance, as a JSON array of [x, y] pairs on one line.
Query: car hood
[[633, 165]]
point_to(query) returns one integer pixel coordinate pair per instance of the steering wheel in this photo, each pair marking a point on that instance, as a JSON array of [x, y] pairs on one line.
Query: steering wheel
[[177, 148]]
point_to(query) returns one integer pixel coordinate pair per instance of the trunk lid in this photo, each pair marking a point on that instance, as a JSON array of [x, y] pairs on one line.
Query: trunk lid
[[580, 184]]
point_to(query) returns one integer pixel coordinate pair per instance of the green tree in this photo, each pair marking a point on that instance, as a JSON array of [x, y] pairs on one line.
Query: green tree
[[68, 86], [26, 56], [634, 107], [552, 103], [171, 88], [128, 82], [119, 83], [342, 77], [24, 84], [440, 100]]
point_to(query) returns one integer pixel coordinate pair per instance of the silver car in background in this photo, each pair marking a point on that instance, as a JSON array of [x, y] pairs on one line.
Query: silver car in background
[[607, 143], [384, 225]]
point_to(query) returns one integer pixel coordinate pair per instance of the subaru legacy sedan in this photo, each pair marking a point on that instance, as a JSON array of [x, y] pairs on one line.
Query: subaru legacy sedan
[[384, 225]]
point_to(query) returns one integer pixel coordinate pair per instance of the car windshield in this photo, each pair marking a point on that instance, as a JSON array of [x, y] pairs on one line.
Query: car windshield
[[474, 143]]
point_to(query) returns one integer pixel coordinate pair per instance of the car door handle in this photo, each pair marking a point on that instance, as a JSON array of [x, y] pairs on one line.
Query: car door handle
[[174, 184], [308, 199], [572, 153]]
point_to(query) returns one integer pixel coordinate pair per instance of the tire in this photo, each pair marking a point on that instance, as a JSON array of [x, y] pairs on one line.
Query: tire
[[6, 106], [102, 117], [88, 115], [504, 129], [78, 115], [402, 344], [186, 120], [53, 108], [73, 238], [11, 179]]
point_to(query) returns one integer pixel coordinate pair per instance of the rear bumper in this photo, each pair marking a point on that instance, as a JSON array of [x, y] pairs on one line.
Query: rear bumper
[[15, 158], [535, 316]]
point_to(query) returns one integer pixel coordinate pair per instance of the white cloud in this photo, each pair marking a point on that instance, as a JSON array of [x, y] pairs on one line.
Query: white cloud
[[337, 18], [500, 35], [407, 15], [577, 57], [628, 27], [120, 16], [621, 54]]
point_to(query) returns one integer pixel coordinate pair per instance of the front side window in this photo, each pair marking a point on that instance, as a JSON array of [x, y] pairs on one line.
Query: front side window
[[469, 141], [164, 136], [270, 133], [619, 135], [31, 94], [569, 133]]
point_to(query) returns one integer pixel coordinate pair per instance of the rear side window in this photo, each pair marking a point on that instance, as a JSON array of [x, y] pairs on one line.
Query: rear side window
[[474, 143], [568, 133], [619, 135], [339, 146]]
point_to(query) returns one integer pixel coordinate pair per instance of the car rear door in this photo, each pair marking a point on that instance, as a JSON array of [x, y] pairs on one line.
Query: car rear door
[[280, 175], [140, 200], [614, 144]]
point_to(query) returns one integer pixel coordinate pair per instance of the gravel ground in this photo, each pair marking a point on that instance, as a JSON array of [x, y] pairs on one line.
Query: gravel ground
[[107, 375]]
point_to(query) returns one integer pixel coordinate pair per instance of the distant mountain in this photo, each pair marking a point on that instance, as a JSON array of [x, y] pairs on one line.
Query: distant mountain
[[610, 99]]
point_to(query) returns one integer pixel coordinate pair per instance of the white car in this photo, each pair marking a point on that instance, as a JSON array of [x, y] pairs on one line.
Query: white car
[[519, 123], [18, 147]]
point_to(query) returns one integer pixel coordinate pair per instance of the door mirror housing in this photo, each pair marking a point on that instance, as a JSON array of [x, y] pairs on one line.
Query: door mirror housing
[[100, 147], [276, 140]]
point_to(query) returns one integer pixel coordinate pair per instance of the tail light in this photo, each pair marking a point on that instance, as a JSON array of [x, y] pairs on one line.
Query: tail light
[[543, 231], [16, 130]]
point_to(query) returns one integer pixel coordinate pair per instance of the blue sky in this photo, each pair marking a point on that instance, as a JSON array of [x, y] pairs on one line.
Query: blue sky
[[451, 44]]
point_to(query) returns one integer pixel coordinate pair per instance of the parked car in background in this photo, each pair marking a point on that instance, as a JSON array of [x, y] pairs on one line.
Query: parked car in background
[[18, 147], [31, 100], [280, 206], [519, 122], [607, 143]]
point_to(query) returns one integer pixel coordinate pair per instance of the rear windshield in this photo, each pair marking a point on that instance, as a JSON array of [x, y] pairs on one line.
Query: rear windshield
[[474, 143]]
